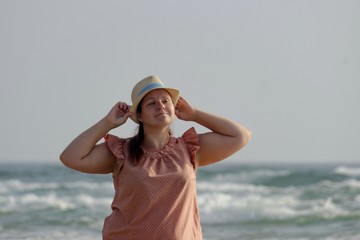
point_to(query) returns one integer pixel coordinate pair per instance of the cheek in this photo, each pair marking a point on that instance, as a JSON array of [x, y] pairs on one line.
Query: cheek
[[172, 113], [171, 108], [146, 111]]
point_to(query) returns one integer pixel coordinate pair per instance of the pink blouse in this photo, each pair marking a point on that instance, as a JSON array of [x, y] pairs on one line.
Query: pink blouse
[[156, 199]]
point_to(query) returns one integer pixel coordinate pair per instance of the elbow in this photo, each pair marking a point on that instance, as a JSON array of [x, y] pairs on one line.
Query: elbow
[[62, 158], [249, 133], [65, 159], [244, 138]]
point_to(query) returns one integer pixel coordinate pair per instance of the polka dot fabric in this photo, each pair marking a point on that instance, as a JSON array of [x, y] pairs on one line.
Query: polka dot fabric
[[155, 199]]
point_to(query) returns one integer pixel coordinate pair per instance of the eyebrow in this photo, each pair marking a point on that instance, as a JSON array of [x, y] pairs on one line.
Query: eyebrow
[[162, 96]]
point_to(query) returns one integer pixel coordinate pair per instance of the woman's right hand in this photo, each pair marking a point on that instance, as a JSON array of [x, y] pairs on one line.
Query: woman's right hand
[[119, 114], [84, 154]]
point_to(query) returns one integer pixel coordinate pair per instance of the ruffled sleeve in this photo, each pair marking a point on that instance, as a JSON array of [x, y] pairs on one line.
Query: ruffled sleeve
[[192, 142], [116, 146]]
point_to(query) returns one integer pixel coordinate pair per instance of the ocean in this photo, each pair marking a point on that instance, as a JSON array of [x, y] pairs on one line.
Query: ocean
[[267, 202]]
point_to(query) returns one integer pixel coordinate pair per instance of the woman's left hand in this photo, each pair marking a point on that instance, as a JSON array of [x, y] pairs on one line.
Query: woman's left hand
[[183, 110]]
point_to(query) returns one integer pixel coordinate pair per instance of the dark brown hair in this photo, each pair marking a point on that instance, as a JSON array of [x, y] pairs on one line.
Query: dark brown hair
[[135, 150]]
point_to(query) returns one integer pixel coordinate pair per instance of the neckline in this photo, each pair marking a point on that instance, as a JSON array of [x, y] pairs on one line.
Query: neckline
[[168, 144]]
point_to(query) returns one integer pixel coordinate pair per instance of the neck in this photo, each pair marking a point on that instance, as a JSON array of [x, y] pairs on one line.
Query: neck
[[155, 140]]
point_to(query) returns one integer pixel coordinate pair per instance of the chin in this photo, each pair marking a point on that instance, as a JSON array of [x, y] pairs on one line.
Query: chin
[[165, 119]]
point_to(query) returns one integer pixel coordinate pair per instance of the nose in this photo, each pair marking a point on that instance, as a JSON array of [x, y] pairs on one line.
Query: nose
[[160, 105]]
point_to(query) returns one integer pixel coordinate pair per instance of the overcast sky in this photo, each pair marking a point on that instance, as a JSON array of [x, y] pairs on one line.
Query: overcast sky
[[288, 70]]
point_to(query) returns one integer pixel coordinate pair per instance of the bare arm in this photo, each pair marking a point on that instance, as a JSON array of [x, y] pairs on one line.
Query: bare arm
[[226, 136], [84, 154]]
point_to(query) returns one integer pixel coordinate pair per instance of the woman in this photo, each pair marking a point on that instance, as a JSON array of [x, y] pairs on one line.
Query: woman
[[154, 173]]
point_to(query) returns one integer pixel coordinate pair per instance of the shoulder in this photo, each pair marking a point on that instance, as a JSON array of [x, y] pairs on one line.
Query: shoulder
[[117, 145], [191, 142], [190, 136]]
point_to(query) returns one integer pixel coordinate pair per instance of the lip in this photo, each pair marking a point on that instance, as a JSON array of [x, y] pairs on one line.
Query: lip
[[161, 114]]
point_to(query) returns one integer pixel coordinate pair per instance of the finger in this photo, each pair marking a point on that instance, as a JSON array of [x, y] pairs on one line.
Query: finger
[[129, 114], [177, 113], [119, 105], [125, 117], [179, 102], [123, 106]]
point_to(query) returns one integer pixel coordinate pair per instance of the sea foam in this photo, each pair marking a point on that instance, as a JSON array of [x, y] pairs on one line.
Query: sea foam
[[348, 171]]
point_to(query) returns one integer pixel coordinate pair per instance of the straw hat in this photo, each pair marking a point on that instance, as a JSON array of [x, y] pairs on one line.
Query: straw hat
[[146, 85]]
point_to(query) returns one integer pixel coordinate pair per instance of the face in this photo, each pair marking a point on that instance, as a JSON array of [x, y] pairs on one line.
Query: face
[[157, 108]]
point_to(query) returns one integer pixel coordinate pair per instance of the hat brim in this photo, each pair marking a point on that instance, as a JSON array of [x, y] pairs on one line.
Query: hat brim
[[174, 93]]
